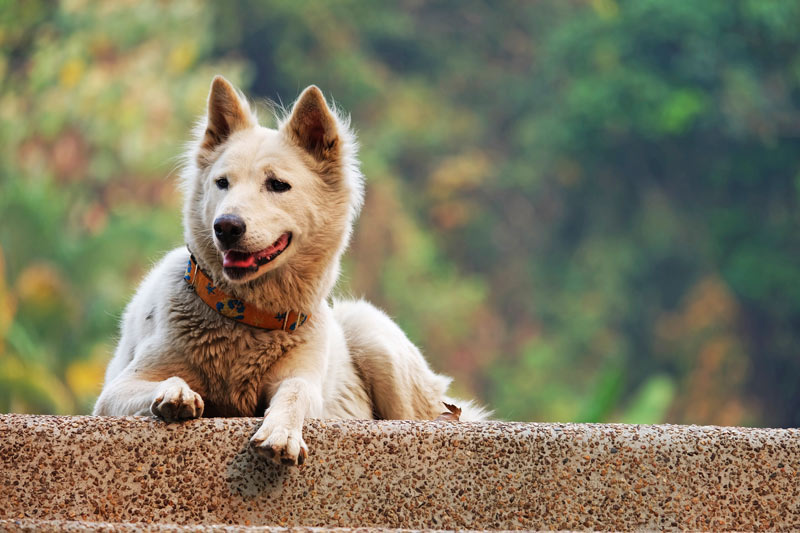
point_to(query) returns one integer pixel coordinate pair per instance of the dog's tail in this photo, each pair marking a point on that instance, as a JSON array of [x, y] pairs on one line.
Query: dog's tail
[[396, 376]]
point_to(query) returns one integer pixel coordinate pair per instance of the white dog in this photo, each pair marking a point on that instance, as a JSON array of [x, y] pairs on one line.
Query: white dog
[[240, 323]]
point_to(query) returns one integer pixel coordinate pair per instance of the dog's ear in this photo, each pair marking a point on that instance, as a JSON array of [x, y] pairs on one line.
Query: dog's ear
[[227, 113], [312, 125]]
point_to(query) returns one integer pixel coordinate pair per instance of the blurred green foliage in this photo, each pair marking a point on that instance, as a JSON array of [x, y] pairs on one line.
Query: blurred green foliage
[[583, 210], [96, 101]]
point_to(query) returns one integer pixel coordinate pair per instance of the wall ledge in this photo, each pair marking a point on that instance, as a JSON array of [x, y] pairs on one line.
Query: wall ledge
[[28, 525], [101, 473]]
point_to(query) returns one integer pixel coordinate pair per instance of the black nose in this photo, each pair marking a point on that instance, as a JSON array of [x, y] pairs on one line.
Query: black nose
[[229, 228]]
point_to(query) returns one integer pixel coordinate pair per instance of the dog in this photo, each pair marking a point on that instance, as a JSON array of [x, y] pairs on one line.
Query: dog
[[240, 322]]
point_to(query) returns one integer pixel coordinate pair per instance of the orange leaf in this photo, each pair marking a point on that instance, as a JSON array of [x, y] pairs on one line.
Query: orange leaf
[[452, 414]]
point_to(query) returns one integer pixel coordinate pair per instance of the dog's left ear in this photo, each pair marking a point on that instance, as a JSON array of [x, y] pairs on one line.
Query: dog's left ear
[[312, 125], [227, 113]]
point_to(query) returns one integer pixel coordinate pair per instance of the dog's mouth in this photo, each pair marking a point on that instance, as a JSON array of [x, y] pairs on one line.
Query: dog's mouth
[[237, 263]]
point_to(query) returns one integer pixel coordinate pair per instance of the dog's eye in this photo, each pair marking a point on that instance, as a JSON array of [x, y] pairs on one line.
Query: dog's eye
[[222, 183], [276, 185]]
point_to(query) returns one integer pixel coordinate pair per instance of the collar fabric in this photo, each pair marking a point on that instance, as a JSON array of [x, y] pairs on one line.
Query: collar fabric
[[236, 309]]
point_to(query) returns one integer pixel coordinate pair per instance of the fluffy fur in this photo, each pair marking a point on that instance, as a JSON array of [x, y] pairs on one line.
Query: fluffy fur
[[179, 359]]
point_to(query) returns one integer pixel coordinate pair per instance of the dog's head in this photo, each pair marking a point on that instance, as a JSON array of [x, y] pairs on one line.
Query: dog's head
[[260, 200]]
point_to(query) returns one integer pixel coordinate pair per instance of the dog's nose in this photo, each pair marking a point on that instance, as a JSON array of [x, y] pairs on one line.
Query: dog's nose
[[229, 228]]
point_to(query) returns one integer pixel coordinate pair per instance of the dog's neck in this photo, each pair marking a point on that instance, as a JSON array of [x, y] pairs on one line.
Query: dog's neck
[[302, 284]]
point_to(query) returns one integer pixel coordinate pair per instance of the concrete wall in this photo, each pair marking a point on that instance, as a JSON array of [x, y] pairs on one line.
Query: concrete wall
[[77, 471]]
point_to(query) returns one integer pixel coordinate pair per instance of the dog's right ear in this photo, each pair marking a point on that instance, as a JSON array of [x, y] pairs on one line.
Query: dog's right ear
[[312, 125], [227, 113]]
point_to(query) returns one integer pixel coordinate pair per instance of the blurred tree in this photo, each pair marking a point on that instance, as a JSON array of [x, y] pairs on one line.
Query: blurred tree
[[597, 169], [96, 100], [667, 136], [583, 210]]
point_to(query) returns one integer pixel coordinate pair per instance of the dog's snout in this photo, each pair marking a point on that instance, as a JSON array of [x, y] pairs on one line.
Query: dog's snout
[[229, 228]]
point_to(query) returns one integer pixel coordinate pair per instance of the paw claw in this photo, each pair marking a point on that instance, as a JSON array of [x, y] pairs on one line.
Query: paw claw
[[268, 451], [281, 445], [176, 401]]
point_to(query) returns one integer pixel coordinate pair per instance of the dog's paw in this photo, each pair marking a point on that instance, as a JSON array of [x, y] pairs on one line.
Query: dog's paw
[[281, 444], [176, 401]]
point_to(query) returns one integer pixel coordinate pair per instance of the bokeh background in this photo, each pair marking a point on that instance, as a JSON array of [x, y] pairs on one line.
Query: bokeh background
[[582, 210]]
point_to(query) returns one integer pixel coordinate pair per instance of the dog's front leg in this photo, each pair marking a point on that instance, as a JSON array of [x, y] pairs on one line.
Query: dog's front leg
[[280, 437], [171, 399]]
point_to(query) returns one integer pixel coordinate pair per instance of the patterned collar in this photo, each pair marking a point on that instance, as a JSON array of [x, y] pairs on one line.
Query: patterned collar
[[235, 309]]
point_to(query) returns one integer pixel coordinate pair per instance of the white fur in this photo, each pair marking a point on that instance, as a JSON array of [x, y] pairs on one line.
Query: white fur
[[179, 359]]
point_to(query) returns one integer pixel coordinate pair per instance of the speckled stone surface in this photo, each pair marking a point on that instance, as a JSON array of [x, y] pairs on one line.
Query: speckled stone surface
[[416, 475], [27, 525]]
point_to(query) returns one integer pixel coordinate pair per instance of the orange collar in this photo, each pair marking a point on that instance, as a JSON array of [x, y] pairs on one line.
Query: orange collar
[[236, 309]]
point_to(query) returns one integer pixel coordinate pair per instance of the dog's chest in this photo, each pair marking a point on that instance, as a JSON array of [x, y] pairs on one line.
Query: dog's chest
[[232, 369]]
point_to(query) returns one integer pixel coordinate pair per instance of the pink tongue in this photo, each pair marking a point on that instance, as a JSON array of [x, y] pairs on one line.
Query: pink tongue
[[238, 260]]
